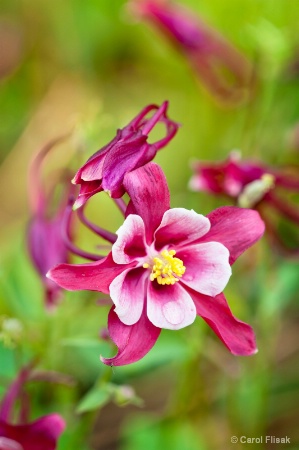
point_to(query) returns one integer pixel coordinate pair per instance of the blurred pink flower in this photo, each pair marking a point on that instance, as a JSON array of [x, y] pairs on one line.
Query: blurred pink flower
[[252, 185], [167, 266], [43, 433], [44, 235], [106, 169], [225, 72]]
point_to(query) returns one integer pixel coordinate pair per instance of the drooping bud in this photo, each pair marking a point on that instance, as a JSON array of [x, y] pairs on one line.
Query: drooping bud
[[105, 170], [45, 240], [224, 70]]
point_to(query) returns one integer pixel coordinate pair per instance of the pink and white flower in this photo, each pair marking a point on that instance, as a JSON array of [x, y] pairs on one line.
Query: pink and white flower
[[166, 267]]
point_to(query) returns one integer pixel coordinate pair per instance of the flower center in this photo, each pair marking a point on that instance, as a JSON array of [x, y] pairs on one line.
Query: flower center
[[166, 268]]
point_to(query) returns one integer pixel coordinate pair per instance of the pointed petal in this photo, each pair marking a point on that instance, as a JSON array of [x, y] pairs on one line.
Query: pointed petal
[[87, 190], [127, 292], [169, 307], [133, 341], [180, 226], [90, 175], [207, 267], [127, 156], [130, 242], [93, 168], [236, 228], [236, 335], [147, 187], [95, 276]]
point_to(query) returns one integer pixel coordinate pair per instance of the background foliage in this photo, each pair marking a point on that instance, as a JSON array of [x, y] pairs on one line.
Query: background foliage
[[89, 67]]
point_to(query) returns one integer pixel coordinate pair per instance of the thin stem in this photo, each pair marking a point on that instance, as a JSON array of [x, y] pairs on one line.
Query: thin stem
[[13, 392], [121, 204], [289, 182], [107, 235], [24, 412], [287, 210], [277, 240], [66, 235], [35, 185]]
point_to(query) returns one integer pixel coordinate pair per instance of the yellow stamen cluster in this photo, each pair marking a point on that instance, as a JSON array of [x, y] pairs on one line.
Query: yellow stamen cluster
[[167, 268]]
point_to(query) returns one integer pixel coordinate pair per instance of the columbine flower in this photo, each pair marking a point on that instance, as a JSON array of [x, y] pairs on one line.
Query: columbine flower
[[45, 240], [167, 266], [43, 433], [106, 169], [252, 185], [225, 72]]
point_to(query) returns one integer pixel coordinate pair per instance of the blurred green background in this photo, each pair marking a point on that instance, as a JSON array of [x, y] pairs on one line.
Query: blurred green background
[[89, 67]]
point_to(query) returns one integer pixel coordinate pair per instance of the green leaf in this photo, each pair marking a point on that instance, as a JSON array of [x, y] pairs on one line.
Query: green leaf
[[97, 397]]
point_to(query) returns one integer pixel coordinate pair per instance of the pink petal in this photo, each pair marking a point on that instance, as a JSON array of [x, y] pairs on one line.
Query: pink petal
[[180, 226], [45, 243], [95, 276], [9, 444], [170, 306], [87, 190], [147, 187], [207, 267], [130, 242], [198, 183], [236, 335], [40, 434], [236, 228], [93, 168], [127, 155], [127, 292], [133, 341]]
